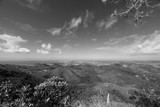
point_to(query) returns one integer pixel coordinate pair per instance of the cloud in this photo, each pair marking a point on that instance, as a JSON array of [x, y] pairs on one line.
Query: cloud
[[45, 49], [124, 41], [55, 31], [104, 1], [88, 19], [41, 51], [71, 27], [58, 50], [111, 21], [107, 23], [111, 1], [22, 26], [68, 29], [31, 4], [69, 35], [11, 44], [74, 23], [134, 44], [66, 46], [7, 30], [26, 27], [94, 39], [149, 45], [46, 46]]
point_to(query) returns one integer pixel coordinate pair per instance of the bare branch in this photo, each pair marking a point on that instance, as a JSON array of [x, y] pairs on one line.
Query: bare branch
[[134, 9]]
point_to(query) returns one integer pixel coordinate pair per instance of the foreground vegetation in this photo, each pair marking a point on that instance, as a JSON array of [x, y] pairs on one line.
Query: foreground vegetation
[[51, 93]]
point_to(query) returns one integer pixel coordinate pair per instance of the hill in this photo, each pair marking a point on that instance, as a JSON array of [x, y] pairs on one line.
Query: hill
[[18, 77], [127, 83]]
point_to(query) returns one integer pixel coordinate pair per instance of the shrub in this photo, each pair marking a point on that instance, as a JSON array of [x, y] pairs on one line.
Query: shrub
[[52, 92], [6, 89]]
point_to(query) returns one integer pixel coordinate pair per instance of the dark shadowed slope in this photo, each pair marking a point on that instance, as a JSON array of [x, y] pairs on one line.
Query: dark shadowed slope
[[13, 74]]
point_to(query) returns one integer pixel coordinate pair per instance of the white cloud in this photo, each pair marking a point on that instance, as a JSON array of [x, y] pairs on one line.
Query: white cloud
[[46, 46], [71, 27], [107, 23], [149, 45], [75, 22], [134, 44], [68, 29], [41, 51], [11, 44], [45, 49], [110, 22], [55, 31], [104, 1]]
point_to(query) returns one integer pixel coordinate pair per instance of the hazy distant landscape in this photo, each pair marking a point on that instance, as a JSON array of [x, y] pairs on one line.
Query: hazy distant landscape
[[128, 84]]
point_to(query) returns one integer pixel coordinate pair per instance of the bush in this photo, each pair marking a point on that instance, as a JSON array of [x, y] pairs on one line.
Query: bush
[[52, 92], [5, 91]]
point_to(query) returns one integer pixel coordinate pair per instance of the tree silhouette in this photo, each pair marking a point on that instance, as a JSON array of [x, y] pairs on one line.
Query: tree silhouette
[[134, 10]]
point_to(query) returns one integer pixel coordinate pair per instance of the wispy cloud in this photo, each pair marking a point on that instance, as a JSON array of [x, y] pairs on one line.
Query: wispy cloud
[[106, 23], [104, 1], [124, 41], [31, 4], [55, 31], [26, 27], [7, 30], [110, 22], [89, 16], [71, 27], [94, 39], [68, 29], [134, 44], [11, 44], [67, 46], [58, 50], [20, 25], [149, 45], [74, 23]]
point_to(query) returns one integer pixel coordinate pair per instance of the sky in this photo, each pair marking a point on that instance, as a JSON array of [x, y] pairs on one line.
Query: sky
[[74, 30]]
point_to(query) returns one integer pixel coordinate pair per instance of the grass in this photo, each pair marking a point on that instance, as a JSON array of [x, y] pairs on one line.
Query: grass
[[102, 104], [98, 101]]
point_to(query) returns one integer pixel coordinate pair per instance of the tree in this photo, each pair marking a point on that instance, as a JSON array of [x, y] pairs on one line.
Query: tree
[[134, 9]]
